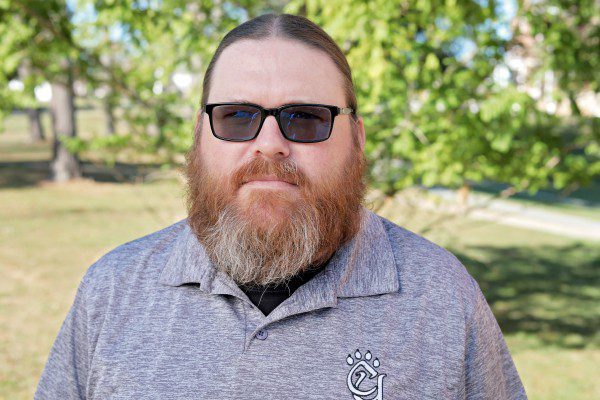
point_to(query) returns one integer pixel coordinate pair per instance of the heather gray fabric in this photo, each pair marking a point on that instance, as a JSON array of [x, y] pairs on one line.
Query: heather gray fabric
[[393, 316]]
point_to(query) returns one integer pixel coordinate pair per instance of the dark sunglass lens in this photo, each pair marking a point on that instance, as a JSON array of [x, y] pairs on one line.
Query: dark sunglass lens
[[306, 123], [235, 122]]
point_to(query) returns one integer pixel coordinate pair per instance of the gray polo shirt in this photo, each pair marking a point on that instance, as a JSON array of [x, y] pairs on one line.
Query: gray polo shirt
[[392, 316]]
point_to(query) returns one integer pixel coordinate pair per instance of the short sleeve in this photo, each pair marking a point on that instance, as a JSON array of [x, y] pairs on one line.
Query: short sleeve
[[490, 371], [66, 370]]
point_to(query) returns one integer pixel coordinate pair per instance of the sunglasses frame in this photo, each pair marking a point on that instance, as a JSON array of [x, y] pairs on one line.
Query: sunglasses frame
[[276, 112]]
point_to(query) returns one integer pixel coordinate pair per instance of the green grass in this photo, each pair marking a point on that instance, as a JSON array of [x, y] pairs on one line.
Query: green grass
[[544, 289], [49, 236]]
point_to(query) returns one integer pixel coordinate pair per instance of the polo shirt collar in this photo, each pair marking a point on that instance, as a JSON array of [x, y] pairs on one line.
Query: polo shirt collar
[[364, 266]]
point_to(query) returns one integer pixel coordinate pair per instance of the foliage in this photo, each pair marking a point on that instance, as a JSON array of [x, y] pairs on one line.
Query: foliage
[[425, 73], [566, 37], [569, 32], [141, 45], [27, 43]]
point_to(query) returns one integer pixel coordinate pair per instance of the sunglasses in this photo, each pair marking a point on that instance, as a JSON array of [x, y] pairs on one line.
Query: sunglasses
[[303, 123]]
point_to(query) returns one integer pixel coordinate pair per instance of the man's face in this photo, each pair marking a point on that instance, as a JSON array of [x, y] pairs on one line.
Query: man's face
[[269, 192]]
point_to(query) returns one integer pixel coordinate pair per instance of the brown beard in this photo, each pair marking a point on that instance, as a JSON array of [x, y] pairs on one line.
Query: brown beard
[[268, 236]]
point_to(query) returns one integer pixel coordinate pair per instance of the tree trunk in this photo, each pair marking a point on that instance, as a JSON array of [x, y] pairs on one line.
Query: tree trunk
[[36, 130], [109, 113], [65, 166], [463, 195]]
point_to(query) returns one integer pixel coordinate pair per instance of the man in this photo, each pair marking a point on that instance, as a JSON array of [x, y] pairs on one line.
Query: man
[[279, 284]]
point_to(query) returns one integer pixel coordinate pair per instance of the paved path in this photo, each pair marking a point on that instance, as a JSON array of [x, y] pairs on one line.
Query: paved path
[[527, 216]]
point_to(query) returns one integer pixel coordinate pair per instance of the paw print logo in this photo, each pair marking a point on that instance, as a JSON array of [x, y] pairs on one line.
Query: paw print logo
[[364, 367]]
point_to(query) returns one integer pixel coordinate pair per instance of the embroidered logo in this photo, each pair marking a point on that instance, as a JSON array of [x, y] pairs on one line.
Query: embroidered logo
[[361, 369]]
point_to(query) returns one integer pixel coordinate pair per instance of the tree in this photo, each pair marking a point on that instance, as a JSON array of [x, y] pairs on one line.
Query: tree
[[429, 76], [563, 37], [140, 49], [36, 129], [38, 36], [436, 112], [65, 165]]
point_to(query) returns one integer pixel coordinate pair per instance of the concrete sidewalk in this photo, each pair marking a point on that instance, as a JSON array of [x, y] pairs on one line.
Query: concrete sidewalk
[[526, 216]]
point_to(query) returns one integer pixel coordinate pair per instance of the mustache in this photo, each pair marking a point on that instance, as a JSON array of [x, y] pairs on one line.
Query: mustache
[[259, 167]]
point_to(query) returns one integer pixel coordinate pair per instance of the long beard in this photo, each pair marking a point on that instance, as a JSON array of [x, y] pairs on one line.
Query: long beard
[[267, 236]]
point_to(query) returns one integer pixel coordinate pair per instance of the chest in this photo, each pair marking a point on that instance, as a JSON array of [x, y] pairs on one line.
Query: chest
[[377, 347]]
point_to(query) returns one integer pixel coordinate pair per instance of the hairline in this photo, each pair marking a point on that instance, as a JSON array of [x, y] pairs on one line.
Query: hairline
[[340, 80]]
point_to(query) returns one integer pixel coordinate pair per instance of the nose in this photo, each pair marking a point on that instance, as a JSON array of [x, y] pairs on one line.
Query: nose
[[270, 141]]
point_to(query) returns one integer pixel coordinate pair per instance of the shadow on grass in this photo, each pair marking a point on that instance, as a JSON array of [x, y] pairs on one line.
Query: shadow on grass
[[20, 174], [552, 292]]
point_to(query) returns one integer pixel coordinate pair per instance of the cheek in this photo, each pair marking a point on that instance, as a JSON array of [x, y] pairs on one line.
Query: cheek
[[219, 156], [320, 162]]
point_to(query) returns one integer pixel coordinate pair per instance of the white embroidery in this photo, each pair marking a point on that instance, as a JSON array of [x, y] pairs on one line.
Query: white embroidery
[[360, 370]]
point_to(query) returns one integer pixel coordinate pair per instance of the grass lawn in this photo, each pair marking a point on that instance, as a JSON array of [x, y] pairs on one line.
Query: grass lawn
[[544, 289]]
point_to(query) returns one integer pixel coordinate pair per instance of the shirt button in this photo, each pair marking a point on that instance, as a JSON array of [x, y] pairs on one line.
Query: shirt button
[[262, 334]]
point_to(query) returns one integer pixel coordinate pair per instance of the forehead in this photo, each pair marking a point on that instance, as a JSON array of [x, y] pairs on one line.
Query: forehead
[[275, 71]]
